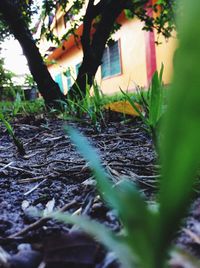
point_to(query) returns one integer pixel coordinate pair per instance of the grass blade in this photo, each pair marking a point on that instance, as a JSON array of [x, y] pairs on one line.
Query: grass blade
[[181, 144], [134, 106], [156, 100], [91, 156], [138, 221]]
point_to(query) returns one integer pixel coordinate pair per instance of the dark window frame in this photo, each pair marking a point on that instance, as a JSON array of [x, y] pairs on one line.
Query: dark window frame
[[109, 58], [59, 80], [69, 79], [77, 66]]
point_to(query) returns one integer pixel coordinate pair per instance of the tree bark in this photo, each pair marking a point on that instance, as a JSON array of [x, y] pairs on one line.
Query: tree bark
[[93, 46], [49, 89]]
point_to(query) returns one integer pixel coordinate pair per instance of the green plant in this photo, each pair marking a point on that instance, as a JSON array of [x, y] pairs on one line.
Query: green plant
[[90, 104], [117, 97], [20, 107], [8, 89], [11, 132], [152, 103], [17, 105], [147, 234], [29, 80], [33, 107]]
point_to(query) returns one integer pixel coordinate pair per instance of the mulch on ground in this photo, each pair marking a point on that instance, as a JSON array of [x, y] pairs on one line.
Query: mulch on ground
[[52, 173]]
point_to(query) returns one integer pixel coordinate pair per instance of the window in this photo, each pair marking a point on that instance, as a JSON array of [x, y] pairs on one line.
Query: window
[[111, 64], [69, 79], [77, 67], [58, 79]]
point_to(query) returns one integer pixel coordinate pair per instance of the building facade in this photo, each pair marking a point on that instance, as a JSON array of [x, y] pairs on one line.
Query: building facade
[[130, 61]]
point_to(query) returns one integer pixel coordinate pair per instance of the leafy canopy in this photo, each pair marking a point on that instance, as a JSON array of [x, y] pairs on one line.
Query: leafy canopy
[[163, 21]]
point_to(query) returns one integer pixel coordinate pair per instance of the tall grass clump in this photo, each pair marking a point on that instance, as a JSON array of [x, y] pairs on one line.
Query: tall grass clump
[[152, 105], [21, 107], [88, 105], [147, 234], [11, 133]]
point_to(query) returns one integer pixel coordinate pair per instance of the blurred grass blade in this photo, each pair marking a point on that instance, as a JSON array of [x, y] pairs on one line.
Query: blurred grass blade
[[11, 132], [156, 99], [134, 106], [161, 74], [102, 234], [91, 156], [7, 125], [181, 148], [138, 221]]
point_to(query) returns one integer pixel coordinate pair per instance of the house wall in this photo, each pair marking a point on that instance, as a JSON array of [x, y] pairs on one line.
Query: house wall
[[133, 65], [133, 48], [164, 54]]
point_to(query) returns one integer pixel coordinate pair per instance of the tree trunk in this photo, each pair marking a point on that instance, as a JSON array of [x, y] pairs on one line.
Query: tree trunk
[[93, 47], [49, 89], [85, 76]]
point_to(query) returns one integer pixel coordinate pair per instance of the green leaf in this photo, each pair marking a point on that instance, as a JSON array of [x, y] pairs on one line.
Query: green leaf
[[7, 125], [159, 2], [156, 99], [93, 159], [180, 152], [132, 103], [138, 221], [11, 132]]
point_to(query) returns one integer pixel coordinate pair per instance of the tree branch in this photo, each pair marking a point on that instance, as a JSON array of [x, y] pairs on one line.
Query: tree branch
[[87, 25], [108, 18]]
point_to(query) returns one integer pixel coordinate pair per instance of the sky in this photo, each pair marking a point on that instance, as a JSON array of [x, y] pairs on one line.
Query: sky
[[14, 58], [12, 53]]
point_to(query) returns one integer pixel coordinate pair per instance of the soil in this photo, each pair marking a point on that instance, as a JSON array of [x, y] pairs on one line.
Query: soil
[[53, 174]]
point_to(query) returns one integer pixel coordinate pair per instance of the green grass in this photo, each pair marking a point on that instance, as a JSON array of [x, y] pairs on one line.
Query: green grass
[[10, 110], [11, 133], [117, 97], [153, 103], [18, 107], [91, 106]]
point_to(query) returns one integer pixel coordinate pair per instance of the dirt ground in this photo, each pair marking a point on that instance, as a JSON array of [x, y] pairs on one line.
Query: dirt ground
[[53, 173]]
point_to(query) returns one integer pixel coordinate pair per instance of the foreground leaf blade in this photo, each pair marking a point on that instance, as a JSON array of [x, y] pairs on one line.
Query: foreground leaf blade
[[138, 221], [156, 99], [93, 159], [182, 131], [134, 106]]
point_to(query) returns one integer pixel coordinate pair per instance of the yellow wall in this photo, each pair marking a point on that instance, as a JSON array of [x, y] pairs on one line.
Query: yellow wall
[[164, 54], [132, 47], [133, 59]]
